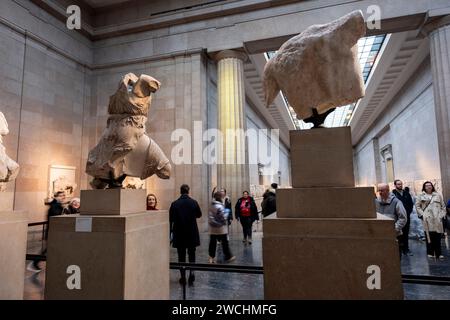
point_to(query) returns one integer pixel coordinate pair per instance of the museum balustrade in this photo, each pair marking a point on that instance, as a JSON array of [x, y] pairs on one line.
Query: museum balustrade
[[40, 223], [44, 225], [183, 267]]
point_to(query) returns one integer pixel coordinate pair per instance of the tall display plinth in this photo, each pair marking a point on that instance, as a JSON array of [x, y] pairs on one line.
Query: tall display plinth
[[307, 258], [13, 246], [326, 241], [109, 257]]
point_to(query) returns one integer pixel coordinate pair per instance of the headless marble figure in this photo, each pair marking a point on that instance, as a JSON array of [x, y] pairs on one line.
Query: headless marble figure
[[125, 149], [318, 70], [9, 169]]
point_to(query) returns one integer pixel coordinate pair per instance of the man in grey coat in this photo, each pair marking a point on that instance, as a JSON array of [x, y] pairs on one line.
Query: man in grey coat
[[387, 204]]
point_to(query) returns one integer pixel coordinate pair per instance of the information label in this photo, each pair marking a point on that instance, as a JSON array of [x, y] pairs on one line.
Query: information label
[[83, 224]]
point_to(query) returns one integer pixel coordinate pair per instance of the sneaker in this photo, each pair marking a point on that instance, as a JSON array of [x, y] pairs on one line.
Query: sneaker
[[441, 257], [231, 259], [244, 241], [249, 241], [33, 267], [430, 256], [211, 260]]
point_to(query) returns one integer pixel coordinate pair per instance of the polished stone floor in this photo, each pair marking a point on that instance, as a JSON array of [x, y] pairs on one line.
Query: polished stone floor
[[234, 286]]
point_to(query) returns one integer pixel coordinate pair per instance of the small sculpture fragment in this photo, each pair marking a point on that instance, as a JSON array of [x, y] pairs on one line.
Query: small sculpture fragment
[[9, 169], [318, 70], [125, 149]]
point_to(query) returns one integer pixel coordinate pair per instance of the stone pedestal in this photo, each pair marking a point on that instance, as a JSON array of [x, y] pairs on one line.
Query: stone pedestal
[[326, 240], [13, 246], [113, 201], [329, 258], [334, 203], [322, 158], [109, 257]]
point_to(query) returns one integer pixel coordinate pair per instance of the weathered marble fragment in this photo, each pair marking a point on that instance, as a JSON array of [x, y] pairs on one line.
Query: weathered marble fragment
[[9, 169], [125, 149], [318, 68]]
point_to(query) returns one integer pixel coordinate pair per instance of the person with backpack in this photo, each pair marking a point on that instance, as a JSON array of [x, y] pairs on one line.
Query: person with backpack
[[218, 229]]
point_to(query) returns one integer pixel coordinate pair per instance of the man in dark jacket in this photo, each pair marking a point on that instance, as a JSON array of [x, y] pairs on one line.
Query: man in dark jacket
[[56, 209], [56, 206], [183, 226], [405, 197], [269, 203]]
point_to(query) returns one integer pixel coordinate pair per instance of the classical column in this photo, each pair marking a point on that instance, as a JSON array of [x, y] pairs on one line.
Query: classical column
[[439, 35], [233, 165]]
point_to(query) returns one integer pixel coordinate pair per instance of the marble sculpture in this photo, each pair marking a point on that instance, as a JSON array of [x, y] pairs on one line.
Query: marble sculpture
[[125, 149], [9, 169], [318, 70]]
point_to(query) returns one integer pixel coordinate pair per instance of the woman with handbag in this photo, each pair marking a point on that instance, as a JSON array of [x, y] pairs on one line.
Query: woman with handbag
[[431, 209]]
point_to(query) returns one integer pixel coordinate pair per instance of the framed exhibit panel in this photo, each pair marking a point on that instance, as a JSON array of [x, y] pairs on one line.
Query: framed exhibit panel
[[61, 178]]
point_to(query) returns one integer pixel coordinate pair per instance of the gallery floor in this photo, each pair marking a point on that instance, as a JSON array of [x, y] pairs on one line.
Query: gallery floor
[[231, 286]]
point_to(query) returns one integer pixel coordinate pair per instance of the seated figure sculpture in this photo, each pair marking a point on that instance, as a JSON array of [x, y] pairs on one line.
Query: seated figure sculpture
[[9, 169], [318, 70], [125, 149]]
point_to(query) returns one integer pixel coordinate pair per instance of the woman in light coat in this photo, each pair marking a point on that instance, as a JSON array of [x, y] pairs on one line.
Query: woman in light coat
[[218, 229], [431, 209]]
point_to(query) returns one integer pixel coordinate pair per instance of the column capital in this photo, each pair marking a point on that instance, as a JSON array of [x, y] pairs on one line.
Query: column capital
[[435, 24], [237, 54]]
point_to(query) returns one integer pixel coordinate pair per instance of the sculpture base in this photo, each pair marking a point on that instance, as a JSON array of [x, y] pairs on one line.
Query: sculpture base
[[112, 201], [13, 246], [322, 158], [326, 203], [114, 257], [330, 258]]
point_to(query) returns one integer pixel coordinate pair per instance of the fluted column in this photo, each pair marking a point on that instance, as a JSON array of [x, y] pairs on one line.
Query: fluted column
[[233, 172], [439, 36]]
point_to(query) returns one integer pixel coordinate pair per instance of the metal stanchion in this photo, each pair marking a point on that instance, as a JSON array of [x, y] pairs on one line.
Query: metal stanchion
[[183, 276]]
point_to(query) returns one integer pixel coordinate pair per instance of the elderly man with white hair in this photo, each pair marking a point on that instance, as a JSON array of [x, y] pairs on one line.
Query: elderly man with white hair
[[387, 204]]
